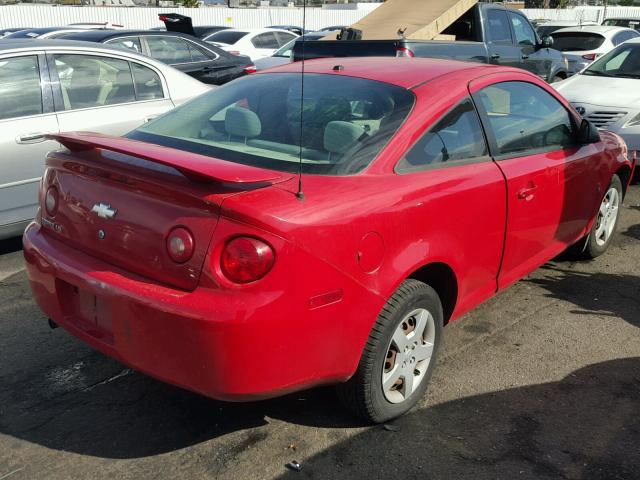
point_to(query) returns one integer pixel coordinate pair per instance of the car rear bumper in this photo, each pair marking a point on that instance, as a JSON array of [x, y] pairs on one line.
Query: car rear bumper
[[223, 345]]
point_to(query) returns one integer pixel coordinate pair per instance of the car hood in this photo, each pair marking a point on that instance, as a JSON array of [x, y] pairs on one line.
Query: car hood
[[603, 91]]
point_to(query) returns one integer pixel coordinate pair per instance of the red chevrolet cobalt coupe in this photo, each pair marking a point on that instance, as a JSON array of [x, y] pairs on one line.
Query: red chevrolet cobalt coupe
[[268, 237]]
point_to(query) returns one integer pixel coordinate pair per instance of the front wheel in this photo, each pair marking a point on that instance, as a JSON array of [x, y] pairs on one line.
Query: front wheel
[[604, 226], [399, 356]]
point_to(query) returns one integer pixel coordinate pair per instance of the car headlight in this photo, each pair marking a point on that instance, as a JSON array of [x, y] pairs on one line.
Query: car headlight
[[634, 122]]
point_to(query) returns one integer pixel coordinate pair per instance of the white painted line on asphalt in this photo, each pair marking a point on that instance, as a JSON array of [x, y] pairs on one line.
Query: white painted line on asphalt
[[11, 473], [4, 276]]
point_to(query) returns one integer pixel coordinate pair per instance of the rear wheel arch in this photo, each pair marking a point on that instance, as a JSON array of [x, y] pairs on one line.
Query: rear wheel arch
[[443, 280]]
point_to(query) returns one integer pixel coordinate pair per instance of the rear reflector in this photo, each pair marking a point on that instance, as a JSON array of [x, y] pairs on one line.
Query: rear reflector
[[246, 259], [180, 245], [51, 201], [251, 68]]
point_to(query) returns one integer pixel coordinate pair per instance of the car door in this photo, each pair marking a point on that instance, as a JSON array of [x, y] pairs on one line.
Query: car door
[[450, 170], [26, 115], [500, 44], [551, 194], [534, 59], [265, 45], [105, 94]]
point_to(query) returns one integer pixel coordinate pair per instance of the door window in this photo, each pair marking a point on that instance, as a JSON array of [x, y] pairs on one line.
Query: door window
[[284, 38], [171, 50], [499, 30], [523, 117], [266, 40], [20, 93], [92, 81], [131, 44], [457, 137], [148, 83], [524, 33], [197, 55]]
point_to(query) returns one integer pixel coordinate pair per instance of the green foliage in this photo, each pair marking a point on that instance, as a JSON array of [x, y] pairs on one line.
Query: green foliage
[[190, 3]]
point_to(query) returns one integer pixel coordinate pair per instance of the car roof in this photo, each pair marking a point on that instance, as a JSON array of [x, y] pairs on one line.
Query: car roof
[[99, 35], [600, 29], [403, 72]]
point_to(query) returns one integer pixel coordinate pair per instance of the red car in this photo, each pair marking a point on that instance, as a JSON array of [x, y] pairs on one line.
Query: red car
[[266, 238]]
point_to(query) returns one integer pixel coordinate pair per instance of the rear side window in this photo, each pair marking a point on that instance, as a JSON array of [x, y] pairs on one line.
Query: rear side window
[[576, 41], [169, 50], [457, 137], [266, 40], [284, 38], [20, 93], [229, 37], [197, 55], [147, 82], [131, 44], [498, 26], [90, 81], [523, 117], [524, 33]]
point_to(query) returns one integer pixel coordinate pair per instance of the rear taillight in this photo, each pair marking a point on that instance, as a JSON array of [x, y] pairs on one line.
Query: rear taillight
[[251, 68], [234, 52], [180, 244], [246, 259], [590, 56], [404, 52], [51, 201]]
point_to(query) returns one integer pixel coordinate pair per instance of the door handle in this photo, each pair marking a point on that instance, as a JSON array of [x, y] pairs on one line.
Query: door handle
[[495, 56], [527, 193], [35, 137], [524, 57]]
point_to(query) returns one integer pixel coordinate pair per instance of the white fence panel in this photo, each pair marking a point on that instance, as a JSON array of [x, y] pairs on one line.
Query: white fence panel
[[140, 17], [593, 14]]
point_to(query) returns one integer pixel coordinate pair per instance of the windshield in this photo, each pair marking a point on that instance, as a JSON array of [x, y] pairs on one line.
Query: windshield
[[577, 41], [286, 49], [623, 61], [256, 121], [622, 22], [226, 36]]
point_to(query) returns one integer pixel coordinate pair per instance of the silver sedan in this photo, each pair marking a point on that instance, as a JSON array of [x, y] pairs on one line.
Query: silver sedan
[[52, 86]]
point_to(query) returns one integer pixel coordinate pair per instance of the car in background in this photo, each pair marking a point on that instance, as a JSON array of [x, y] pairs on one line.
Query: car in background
[[201, 60], [174, 22], [582, 45], [43, 33], [332, 28], [254, 43], [8, 31], [290, 28], [96, 25], [607, 92], [51, 86], [629, 22], [285, 54], [546, 28], [242, 250]]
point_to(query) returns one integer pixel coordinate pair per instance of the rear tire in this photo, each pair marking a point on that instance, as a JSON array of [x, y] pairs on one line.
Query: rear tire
[[604, 226], [403, 344]]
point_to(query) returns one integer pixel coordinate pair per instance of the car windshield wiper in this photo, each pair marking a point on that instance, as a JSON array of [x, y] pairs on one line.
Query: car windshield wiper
[[627, 75], [596, 73]]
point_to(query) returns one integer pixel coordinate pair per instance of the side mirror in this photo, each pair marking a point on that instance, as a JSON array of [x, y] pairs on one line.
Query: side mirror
[[588, 133], [547, 41]]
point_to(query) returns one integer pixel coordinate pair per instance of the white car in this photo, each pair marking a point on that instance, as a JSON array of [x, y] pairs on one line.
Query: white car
[[52, 86], [254, 43], [607, 93], [582, 45]]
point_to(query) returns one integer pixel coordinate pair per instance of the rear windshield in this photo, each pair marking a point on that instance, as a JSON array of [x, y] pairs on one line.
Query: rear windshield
[[577, 42], [256, 120], [226, 36]]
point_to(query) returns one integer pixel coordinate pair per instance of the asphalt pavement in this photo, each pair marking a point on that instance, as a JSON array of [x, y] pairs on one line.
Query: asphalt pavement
[[541, 382]]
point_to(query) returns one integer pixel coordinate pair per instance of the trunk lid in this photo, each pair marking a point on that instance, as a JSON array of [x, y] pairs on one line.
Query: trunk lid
[[118, 200]]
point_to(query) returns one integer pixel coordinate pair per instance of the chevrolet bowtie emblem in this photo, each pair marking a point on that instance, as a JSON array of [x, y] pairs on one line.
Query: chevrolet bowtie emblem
[[104, 211]]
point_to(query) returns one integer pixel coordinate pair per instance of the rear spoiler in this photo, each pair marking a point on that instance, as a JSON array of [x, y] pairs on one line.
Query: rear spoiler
[[174, 22], [191, 165]]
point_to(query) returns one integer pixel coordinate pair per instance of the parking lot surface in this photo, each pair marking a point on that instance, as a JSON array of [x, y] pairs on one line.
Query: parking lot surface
[[541, 382]]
